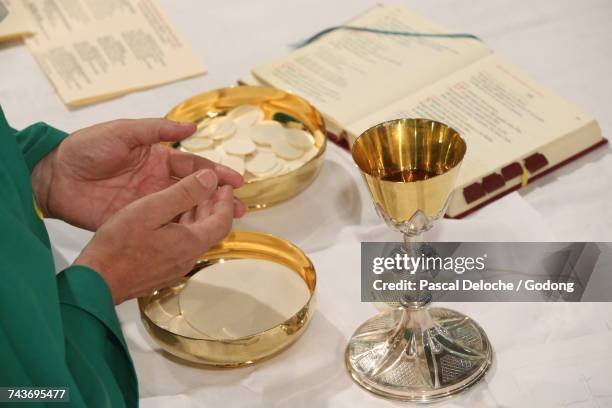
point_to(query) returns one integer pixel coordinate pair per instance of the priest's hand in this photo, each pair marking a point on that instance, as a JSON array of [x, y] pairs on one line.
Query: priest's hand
[[97, 171], [156, 239]]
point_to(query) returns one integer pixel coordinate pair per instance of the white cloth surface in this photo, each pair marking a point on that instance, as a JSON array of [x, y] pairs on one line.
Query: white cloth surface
[[546, 354]]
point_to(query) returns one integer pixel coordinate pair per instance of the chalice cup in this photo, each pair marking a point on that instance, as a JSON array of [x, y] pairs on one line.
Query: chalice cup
[[414, 352]]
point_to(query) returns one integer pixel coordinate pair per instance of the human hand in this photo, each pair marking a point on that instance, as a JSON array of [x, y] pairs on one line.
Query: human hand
[[158, 238], [97, 171]]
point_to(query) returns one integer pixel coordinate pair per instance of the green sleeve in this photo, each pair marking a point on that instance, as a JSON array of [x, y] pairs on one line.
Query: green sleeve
[[37, 140], [59, 330], [83, 288], [55, 330], [93, 363], [93, 335]]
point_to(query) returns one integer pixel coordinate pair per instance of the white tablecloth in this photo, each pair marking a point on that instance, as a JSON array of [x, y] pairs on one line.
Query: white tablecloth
[[546, 354]]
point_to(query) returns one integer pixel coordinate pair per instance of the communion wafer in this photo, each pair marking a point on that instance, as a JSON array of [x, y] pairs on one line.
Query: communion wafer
[[239, 146], [206, 126], [294, 164], [242, 140], [299, 138], [261, 163], [241, 297], [243, 133], [284, 150], [221, 129], [274, 171], [267, 131], [241, 110], [284, 169], [179, 325], [310, 153], [219, 149], [203, 124], [245, 115], [263, 148], [196, 143]]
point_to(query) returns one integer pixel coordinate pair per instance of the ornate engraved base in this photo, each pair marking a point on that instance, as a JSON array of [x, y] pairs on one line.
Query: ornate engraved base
[[418, 354]]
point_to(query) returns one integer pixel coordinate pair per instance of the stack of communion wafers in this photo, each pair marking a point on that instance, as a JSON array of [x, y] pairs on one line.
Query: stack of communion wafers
[[254, 147]]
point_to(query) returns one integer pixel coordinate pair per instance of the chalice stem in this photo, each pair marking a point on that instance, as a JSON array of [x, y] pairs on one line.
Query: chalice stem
[[416, 323], [412, 243], [418, 297]]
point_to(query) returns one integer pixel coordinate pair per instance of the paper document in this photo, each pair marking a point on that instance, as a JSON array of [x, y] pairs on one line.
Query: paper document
[[94, 50], [15, 22]]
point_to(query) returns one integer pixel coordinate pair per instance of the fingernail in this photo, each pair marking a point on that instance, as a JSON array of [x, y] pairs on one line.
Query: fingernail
[[208, 179]]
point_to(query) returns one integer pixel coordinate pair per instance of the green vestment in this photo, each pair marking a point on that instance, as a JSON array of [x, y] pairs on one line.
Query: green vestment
[[55, 330]]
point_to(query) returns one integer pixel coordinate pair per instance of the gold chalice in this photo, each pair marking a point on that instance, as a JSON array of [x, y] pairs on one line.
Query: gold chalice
[[414, 352]]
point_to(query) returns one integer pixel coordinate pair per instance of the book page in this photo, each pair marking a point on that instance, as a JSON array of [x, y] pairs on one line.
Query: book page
[[501, 113], [93, 50], [15, 22], [348, 74]]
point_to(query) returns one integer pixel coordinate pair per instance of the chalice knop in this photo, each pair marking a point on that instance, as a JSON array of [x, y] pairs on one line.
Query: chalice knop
[[414, 352]]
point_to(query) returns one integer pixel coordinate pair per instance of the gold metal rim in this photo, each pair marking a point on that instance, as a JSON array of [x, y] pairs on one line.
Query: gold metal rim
[[258, 194], [398, 120], [248, 349]]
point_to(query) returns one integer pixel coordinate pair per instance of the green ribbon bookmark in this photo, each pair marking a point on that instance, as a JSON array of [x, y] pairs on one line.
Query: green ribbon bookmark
[[385, 32]]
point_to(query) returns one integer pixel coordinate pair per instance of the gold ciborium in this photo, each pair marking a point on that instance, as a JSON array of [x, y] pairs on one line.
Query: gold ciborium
[[414, 352]]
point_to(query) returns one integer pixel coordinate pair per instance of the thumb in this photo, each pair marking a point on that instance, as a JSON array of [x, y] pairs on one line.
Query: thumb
[[162, 207]]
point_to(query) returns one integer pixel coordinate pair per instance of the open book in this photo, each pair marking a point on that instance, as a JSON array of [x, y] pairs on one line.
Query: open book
[[515, 129], [15, 23]]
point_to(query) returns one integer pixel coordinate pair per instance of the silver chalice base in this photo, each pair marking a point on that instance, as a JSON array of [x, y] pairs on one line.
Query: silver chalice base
[[419, 354]]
